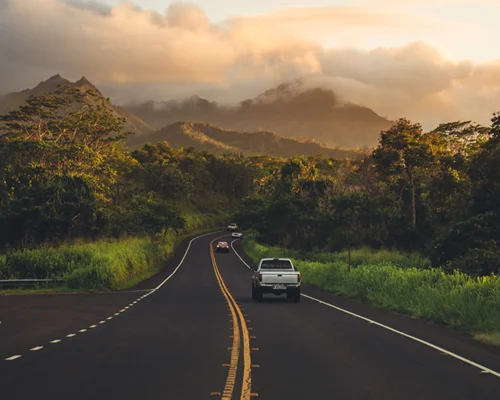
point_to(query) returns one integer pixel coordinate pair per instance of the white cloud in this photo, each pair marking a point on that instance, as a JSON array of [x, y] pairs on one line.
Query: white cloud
[[140, 53]]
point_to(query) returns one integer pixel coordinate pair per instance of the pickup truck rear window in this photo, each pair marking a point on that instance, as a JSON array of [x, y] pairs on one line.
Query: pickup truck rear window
[[276, 264]]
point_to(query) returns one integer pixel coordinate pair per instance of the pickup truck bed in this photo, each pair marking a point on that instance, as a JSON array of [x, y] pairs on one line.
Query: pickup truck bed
[[277, 276]]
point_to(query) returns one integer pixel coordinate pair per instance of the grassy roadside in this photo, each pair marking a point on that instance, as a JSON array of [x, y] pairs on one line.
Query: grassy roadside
[[103, 265], [462, 302]]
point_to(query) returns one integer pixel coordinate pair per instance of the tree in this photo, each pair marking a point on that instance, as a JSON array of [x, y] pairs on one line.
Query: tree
[[403, 150], [60, 155]]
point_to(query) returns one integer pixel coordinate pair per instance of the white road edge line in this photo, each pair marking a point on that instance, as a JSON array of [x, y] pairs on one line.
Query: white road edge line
[[182, 260], [150, 291], [416, 339], [82, 330], [55, 341]]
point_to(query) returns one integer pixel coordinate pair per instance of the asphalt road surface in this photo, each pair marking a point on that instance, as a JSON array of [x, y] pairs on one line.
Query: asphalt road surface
[[193, 332]]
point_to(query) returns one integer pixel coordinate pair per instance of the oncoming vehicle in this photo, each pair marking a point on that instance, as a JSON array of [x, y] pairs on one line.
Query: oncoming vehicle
[[237, 235], [276, 276], [232, 227], [222, 247]]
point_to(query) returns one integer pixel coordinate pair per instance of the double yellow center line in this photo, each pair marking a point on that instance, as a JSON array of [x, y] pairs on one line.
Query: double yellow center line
[[240, 330]]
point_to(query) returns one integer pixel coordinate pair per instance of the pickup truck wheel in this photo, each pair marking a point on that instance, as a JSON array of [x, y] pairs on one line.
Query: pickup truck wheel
[[296, 296], [253, 293], [258, 294]]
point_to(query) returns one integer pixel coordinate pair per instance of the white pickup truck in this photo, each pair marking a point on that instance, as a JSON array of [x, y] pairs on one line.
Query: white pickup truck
[[277, 276]]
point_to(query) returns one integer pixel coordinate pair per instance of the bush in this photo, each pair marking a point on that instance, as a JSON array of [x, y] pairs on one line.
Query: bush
[[365, 256], [106, 264], [99, 265]]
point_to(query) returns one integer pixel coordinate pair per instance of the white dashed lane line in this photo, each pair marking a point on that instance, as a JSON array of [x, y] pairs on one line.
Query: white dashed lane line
[[13, 358], [150, 291]]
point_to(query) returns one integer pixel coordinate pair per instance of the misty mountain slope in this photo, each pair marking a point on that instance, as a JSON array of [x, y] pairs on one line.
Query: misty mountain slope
[[290, 110], [219, 141], [14, 100]]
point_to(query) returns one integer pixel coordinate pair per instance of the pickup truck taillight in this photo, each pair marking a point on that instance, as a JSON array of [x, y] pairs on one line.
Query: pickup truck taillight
[[260, 277], [298, 278]]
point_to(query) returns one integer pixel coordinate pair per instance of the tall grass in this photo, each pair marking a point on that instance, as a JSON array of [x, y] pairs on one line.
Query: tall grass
[[461, 301], [99, 265], [366, 255], [105, 264]]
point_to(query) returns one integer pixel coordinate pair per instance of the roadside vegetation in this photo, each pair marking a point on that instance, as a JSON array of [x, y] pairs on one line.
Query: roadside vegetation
[[389, 281], [418, 218], [77, 206]]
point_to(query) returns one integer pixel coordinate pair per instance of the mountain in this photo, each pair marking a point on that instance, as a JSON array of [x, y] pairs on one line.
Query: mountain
[[291, 110], [203, 136], [14, 100]]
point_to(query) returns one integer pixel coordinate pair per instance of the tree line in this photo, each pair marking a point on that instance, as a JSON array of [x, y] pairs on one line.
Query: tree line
[[65, 174], [435, 192]]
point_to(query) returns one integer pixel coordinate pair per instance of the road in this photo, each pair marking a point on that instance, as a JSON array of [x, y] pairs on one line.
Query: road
[[198, 335]]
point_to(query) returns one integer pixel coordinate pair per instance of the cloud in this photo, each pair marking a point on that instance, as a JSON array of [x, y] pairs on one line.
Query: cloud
[[135, 53], [95, 6]]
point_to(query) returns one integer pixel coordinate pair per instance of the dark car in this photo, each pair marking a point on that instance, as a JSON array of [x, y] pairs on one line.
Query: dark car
[[222, 247]]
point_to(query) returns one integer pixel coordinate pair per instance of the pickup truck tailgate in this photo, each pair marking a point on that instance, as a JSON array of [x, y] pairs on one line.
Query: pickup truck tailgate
[[279, 277]]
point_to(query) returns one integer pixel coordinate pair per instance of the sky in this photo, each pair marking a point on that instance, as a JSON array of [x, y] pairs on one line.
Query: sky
[[480, 16], [428, 60]]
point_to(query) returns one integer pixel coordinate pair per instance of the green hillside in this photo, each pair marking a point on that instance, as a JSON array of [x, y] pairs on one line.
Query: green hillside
[[220, 141]]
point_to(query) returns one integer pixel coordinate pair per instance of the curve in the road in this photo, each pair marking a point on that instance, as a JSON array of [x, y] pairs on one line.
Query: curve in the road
[[483, 368]]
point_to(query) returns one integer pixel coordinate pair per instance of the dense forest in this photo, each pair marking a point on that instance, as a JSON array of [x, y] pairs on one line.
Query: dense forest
[[433, 192], [66, 175]]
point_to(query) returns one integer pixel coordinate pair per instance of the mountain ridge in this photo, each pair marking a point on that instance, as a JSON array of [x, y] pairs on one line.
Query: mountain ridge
[[293, 109], [180, 130], [14, 100], [219, 141]]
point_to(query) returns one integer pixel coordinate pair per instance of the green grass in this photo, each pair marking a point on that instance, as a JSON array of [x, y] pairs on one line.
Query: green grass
[[366, 256], [463, 302], [492, 339], [105, 264], [359, 257], [100, 265]]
